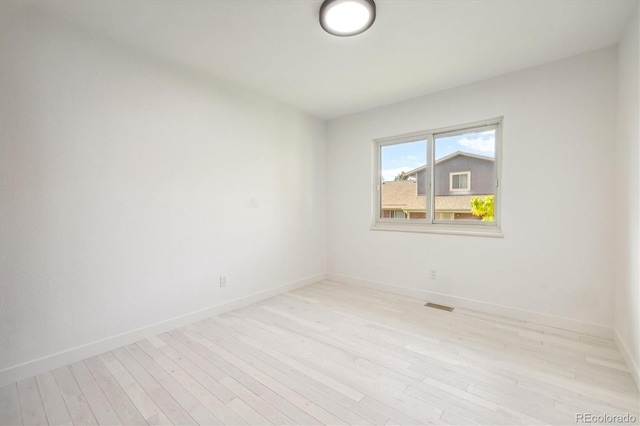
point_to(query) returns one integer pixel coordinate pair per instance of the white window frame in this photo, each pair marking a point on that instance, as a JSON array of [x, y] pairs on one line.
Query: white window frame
[[431, 224], [452, 174]]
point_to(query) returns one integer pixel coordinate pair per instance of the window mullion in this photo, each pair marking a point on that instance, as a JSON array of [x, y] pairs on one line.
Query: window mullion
[[430, 207]]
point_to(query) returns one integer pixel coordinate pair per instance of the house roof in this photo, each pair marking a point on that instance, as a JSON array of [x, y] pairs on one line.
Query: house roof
[[447, 158], [402, 195], [466, 154], [454, 202]]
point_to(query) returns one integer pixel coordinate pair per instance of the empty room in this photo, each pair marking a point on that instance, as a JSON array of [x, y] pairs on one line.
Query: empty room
[[306, 212]]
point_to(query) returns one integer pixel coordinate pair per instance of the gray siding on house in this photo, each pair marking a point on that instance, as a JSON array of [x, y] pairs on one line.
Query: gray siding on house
[[422, 182], [482, 176]]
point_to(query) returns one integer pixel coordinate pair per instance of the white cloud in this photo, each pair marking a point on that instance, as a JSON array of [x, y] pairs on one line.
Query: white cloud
[[484, 142]]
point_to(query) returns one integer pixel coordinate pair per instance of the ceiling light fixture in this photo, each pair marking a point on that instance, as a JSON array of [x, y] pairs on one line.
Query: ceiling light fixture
[[347, 17]]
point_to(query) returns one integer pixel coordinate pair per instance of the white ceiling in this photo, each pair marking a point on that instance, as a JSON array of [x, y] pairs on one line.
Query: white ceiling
[[277, 47]]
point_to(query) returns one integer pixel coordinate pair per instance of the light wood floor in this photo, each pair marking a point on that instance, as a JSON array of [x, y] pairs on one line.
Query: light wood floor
[[336, 354]]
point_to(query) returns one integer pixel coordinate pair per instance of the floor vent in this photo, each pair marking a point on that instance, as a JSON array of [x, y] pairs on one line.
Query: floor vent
[[436, 306]]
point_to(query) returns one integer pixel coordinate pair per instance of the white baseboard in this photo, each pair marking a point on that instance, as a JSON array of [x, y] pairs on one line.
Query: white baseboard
[[477, 305], [628, 358], [50, 362]]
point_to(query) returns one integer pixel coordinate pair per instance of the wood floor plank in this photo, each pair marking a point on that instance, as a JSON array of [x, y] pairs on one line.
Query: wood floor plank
[[169, 406], [344, 408], [334, 354], [363, 382], [280, 396], [449, 403], [357, 361], [332, 372], [284, 384], [206, 397], [250, 415], [189, 405], [118, 398], [74, 399], [10, 410], [452, 419], [100, 405], [336, 385], [393, 414], [209, 375], [31, 402], [54, 406], [531, 408], [562, 394], [134, 390], [251, 391], [462, 394]]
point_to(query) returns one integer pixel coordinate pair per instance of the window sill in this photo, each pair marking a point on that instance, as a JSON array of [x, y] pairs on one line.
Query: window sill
[[468, 230]]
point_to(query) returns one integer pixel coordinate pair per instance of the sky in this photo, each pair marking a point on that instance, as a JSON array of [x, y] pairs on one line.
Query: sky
[[408, 156]]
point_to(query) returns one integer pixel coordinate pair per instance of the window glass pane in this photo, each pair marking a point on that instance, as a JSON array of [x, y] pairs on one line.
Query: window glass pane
[[403, 189], [463, 181], [465, 176]]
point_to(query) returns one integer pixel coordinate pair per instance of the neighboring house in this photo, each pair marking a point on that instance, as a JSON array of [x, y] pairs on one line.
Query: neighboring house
[[400, 200], [459, 178]]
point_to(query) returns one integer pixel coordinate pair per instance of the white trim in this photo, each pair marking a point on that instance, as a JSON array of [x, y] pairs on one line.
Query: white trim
[[626, 354], [69, 356], [563, 323], [467, 228], [452, 174], [431, 178]]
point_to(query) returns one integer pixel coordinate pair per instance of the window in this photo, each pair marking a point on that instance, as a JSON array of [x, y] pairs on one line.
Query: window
[[443, 180], [393, 214], [460, 181]]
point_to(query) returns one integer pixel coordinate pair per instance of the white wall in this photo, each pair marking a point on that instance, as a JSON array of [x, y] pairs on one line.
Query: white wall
[[128, 185], [627, 292], [556, 256]]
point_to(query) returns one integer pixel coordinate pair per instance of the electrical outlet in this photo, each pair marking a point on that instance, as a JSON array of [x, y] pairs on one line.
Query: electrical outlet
[[433, 274], [223, 281]]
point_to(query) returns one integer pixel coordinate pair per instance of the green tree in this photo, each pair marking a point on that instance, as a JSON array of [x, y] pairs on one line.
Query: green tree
[[483, 207], [401, 176]]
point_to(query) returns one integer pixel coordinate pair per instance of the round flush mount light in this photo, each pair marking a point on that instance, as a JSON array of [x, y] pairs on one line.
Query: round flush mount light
[[347, 17]]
